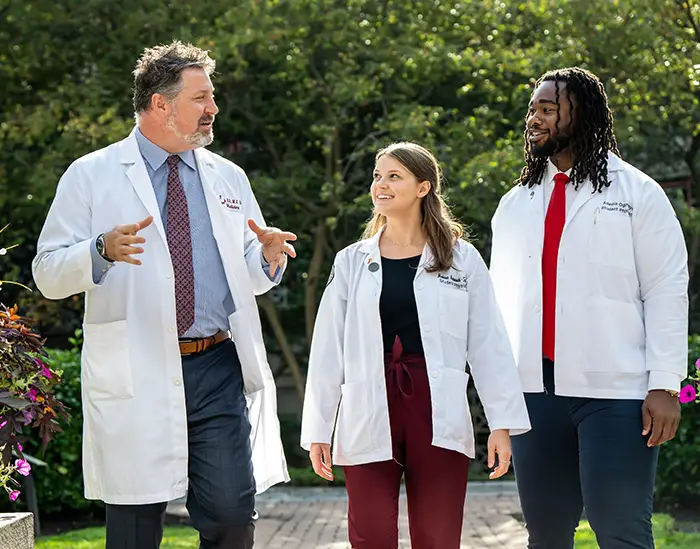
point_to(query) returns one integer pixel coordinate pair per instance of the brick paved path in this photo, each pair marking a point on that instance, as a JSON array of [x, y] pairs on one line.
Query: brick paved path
[[305, 518]]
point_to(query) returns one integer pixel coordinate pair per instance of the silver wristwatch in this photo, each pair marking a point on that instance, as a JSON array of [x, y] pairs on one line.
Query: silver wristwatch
[[100, 245]]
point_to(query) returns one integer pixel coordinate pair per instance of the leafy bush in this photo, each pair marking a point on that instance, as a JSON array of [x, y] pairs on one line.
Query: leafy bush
[[27, 399], [60, 485], [678, 473]]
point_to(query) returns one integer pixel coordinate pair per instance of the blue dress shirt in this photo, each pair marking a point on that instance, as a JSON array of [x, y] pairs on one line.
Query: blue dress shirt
[[212, 296]]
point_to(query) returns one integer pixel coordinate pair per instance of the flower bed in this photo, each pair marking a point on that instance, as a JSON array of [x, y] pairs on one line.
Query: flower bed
[[27, 400]]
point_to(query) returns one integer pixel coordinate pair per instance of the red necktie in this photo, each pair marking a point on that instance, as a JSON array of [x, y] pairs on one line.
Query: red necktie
[[553, 227], [180, 246]]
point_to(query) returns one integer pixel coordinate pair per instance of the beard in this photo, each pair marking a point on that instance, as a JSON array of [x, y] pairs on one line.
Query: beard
[[199, 138], [552, 146]]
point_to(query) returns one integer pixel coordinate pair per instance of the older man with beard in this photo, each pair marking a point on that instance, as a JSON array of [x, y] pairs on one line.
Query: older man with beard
[[168, 243]]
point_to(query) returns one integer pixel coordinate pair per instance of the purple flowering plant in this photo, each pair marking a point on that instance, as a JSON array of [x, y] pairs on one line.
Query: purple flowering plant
[[27, 400], [691, 391]]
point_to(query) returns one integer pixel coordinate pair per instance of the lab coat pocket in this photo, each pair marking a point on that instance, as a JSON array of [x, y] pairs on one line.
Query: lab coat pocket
[[453, 399], [610, 242], [454, 312], [353, 431], [250, 355], [615, 337], [106, 365]]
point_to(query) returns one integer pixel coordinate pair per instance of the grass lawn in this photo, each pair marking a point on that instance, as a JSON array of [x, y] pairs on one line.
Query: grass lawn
[[664, 535], [182, 537], [176, 537]]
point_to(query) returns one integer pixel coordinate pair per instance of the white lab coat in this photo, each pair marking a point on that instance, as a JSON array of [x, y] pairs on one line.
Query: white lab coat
[[135, 421], [459, 321], [622, 281]]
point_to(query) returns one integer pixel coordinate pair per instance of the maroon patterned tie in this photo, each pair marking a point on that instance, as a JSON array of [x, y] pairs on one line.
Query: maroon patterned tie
[[180, 246]]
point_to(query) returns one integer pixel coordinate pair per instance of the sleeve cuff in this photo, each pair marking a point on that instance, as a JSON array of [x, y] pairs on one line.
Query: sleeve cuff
[[100, 265], [664, 381], [266, 267], [519, 429], [306, 442]]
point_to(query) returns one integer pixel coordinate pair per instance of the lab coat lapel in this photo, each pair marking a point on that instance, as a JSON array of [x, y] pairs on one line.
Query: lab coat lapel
[[135, 169]]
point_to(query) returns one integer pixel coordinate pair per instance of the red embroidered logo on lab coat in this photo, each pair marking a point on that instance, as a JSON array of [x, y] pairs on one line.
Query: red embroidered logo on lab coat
[[230, 203]]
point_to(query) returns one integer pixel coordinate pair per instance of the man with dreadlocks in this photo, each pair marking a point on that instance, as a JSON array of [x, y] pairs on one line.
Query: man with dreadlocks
[[590, 271]]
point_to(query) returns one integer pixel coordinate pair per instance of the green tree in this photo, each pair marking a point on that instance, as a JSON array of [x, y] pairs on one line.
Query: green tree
[[310, 89]]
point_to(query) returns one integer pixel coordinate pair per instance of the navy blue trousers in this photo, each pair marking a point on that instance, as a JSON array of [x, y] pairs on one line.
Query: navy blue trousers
[[221, 493], [584, 452]]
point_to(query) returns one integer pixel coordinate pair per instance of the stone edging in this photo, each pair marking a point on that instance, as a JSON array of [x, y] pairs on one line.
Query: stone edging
[[16, 531]]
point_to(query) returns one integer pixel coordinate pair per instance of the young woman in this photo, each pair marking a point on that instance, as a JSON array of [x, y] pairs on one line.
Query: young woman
[[404, 310]]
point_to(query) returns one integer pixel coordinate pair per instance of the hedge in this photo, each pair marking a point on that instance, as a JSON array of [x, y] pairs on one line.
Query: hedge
[[60, 486]]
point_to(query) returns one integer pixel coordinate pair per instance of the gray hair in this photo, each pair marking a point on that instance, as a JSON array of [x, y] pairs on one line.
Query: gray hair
[[159, 68]]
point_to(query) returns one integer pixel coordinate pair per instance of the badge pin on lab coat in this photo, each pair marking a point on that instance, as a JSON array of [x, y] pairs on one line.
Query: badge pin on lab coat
[[372, 265]]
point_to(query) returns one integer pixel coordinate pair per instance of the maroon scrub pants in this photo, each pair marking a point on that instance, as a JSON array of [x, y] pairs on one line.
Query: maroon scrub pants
[[435, 478]]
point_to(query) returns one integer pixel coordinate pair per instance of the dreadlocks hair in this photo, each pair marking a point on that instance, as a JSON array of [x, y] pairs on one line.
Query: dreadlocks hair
[[592, 135]]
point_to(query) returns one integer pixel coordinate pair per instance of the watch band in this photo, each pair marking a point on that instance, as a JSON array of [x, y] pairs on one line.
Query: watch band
[[100, 246]]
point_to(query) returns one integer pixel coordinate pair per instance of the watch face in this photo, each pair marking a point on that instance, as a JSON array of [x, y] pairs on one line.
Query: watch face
[[100, 245]]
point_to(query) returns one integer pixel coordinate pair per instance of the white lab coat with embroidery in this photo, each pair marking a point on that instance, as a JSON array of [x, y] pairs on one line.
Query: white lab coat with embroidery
[[135, 421], [459, 322], [622, 281]]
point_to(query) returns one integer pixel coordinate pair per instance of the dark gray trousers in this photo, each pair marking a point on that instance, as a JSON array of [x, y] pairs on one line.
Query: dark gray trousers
[[221, 494], [584, 452]]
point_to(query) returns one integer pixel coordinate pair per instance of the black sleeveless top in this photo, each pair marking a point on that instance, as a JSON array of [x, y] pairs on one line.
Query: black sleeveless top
[[397, 305]]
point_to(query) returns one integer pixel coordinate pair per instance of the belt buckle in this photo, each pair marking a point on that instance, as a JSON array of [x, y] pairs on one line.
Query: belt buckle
[[188, 340], [200, 344], [184, 354]]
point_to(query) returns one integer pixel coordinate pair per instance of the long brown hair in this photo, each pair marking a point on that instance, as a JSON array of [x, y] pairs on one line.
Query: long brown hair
[[439, 225]]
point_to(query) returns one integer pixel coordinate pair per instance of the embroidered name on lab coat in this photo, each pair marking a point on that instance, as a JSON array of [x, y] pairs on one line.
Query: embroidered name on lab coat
[[231, 203], [457, 282], [621, 207]]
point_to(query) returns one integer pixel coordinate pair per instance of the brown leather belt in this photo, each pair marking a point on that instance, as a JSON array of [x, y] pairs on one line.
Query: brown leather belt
[[191, 346]]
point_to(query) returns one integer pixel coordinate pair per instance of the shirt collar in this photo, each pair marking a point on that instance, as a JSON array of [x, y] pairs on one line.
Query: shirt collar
[[552, 170], [156, 157]]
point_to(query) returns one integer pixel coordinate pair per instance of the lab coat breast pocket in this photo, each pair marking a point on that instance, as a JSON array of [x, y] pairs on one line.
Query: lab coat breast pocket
[[106, 364], [610, 241], [453, 305], [611, 263]]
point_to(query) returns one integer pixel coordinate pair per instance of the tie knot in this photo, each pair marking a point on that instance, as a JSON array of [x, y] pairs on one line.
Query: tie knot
[[174, 159], [561, 178]]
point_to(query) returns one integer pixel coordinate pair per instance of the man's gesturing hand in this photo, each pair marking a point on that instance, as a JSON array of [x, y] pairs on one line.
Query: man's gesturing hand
[[275, 245], [119, 242]]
